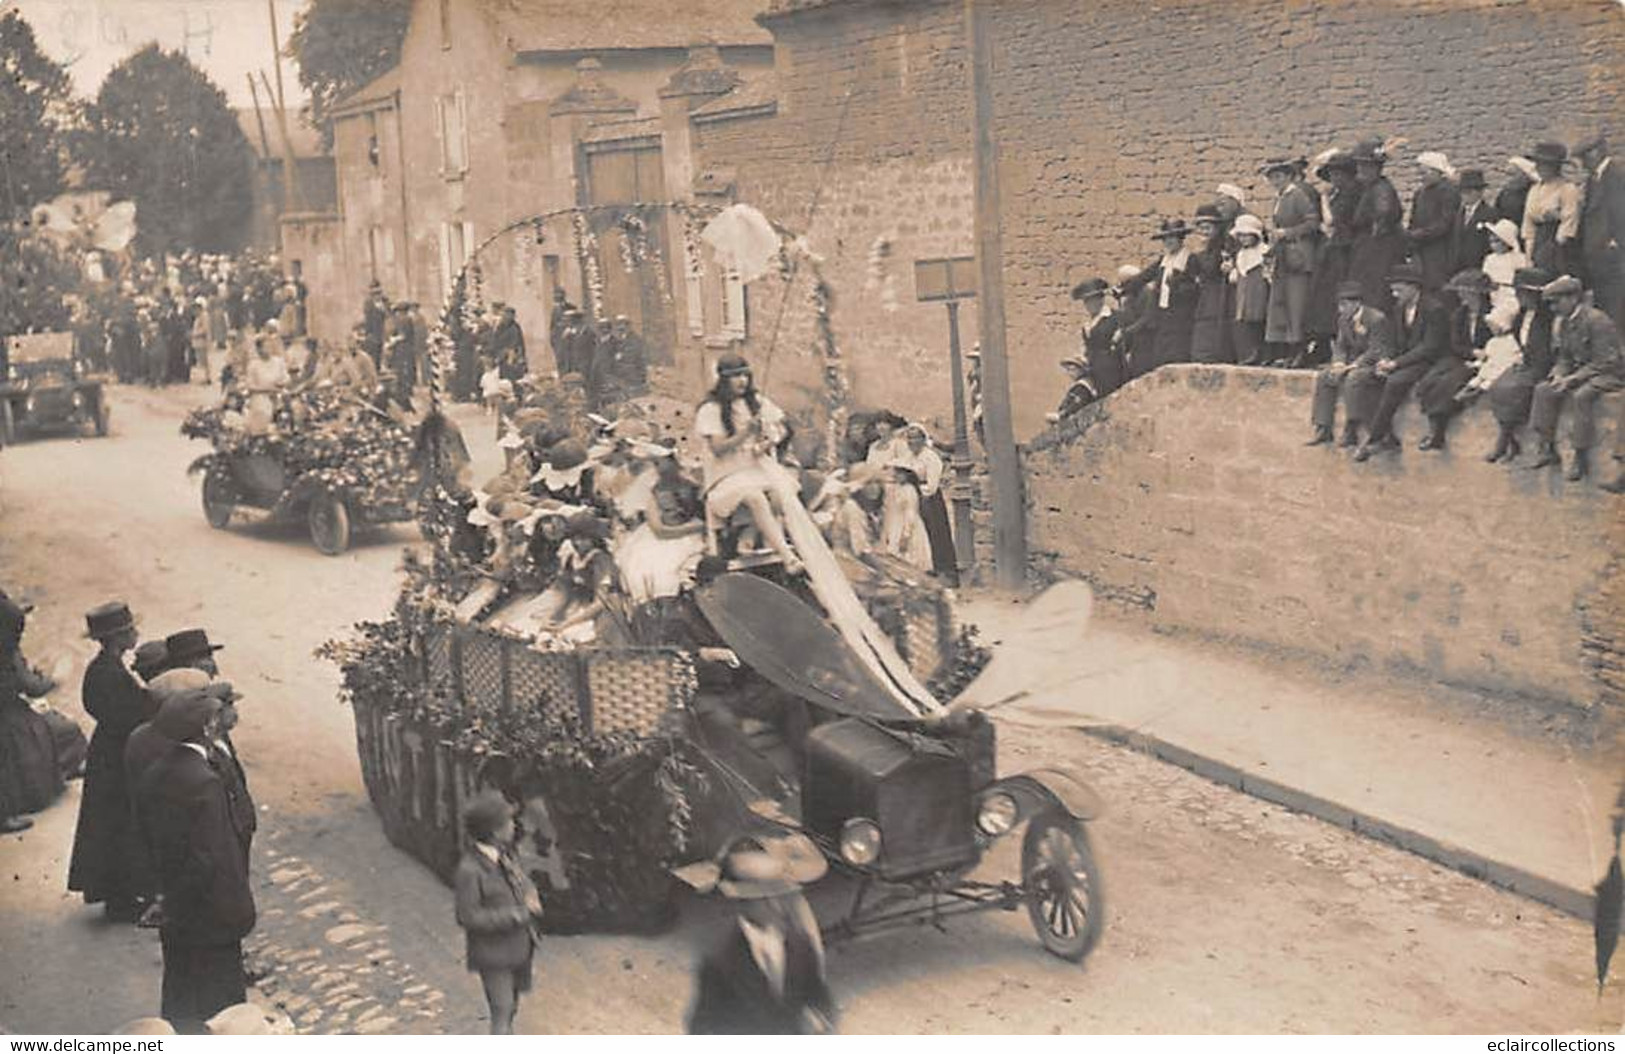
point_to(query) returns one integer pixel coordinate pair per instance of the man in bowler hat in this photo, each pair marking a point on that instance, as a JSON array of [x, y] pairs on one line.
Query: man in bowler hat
[[202, 874], [1421, 330], [1363, 340]]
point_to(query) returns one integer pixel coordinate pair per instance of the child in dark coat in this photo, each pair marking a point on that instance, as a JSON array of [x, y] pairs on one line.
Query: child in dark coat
[[497, 907]]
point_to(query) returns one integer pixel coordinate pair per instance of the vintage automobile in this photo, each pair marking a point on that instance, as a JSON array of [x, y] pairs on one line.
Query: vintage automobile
[[905, 808], [46, 388]]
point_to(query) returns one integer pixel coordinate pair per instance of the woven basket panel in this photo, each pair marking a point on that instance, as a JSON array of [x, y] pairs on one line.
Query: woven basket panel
[[438, 645], [543, 679], [632, 690], [482, 670]]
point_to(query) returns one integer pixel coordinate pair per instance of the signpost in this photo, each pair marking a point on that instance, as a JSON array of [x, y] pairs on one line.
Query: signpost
[[948, 281]]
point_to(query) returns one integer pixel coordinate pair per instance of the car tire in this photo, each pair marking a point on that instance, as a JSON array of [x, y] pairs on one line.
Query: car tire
[[329, 521], [1065, 898], [218, 501]]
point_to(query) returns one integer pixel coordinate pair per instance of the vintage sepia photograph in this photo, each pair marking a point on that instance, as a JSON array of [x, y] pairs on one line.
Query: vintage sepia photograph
[[813, 517]]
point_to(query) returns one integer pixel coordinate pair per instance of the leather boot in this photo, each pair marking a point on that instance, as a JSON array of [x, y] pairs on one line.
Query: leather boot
[[1503, 444], [1322, 436], [1434, 440], [1580, 467], [1548, 455], [1617, 485], [1351, 435]]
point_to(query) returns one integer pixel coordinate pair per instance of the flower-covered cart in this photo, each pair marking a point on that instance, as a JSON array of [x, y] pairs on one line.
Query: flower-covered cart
[[337, 464]]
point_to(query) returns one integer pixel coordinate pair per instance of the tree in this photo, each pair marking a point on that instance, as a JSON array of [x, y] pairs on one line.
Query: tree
[[162, 135], [34, 104], [341, 45]]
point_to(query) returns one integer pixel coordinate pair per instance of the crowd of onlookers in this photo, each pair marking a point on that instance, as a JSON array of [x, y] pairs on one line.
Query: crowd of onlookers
[[1520, 295]]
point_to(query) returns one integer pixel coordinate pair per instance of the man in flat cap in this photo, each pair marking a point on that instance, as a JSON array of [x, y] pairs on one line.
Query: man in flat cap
[[1602, 228], [208, 903], [1421, 329], [1589, 364], [1363, 340]]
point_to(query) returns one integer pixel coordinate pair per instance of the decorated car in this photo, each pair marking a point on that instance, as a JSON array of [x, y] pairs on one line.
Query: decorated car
[[325, 457], [44, 386]]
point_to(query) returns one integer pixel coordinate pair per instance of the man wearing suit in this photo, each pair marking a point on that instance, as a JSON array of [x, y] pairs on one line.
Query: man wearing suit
[[1421, 330], [202, 873], [1434, 214], [1602, 229], [766, 976], [1472, 244], [192, 649], [1589, 364], [1362, 341]]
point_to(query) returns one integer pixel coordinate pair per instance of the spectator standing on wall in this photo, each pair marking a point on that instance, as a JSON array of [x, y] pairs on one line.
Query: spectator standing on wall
[[1337, 207], [1210, 328], [1432, 228], [1173, 296], [1514, 193], [1364, 338], [1379, 243], [1421, 327], [1588, 364], [1602, 228], [1134, 319], [1098, 339], [1502, 265], [1251, 290], [1511, 393], [1551, 214], [1471, 239], [1294, 244]]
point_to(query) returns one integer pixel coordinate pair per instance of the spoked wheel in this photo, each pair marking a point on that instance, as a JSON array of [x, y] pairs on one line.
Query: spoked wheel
[[329, 524], [217, 500], [1065, 899]]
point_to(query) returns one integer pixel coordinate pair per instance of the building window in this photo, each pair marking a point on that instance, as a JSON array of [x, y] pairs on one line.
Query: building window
[[456, 243], [735, 309], [372, 138], [445, 23], [453, 112]]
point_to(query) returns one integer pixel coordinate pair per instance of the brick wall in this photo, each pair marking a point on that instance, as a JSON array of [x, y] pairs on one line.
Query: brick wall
[[1189, 495], [1115, 112], [868, 157]]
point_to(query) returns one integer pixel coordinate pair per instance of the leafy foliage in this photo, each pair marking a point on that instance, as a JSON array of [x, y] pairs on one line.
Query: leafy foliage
[[340, 45], [34, 275], [162, 134], [34, 106]]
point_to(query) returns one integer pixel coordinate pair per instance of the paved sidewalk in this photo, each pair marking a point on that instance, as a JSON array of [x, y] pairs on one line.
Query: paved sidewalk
[[1451, 775]]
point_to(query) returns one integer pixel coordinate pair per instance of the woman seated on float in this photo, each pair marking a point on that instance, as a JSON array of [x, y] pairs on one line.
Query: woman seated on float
[[737, 430], [658, 558]]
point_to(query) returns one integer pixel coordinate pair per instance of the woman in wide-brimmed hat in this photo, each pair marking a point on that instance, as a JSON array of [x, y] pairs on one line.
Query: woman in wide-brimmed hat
[[1551, 213], [1210, 322], [1173, 298], [1294, 247], [108, 864], [1379, 241], [29, 776], [1337, 205]]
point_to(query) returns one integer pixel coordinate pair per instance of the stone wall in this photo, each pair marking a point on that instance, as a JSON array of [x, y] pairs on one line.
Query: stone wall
[[867, 156], [1115, 112], [1189, 495]]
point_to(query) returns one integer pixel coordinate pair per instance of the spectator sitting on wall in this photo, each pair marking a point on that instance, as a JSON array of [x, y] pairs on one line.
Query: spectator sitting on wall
[[1363, 340], [1589, 364], [1080, 389]]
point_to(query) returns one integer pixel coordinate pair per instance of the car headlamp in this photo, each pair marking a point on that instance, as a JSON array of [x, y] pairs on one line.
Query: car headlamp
[[78, 400], [860, 842], [30, 404], [997, 814]]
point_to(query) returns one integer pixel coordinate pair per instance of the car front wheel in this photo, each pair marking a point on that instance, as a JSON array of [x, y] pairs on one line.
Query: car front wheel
[[1065, 899], [329, 520]]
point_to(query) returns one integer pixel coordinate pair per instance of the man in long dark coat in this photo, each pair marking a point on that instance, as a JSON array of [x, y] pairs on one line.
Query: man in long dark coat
[[1602, 229], [1434, 217], [202, 873], [1472, 242], [508, 347], [191, 649], [109, 864]]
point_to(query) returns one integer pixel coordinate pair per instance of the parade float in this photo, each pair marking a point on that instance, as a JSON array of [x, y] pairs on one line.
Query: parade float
[[830, 710]]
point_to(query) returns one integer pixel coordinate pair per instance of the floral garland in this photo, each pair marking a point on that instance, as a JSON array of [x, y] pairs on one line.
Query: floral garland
[[586, 246]]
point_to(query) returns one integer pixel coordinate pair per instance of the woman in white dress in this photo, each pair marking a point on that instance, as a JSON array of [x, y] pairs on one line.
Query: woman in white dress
[[267, 375], [736, 430], [1503, 262], [658, 558]]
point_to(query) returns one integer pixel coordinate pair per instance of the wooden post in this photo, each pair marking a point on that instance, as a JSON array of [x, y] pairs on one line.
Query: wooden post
[[960, 492], [259, 119], [1009, 519]]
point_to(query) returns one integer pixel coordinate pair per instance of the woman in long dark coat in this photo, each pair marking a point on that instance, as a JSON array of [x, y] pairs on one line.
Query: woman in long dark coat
[[1173, 299], [1210, 330], [1379, 241], [109, 862], [29, 777], [1337, 220]]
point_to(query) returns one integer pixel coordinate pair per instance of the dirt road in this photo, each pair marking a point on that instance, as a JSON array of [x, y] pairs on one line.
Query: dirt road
[[1226, 915]]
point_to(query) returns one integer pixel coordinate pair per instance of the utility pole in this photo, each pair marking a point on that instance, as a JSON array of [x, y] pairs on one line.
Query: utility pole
[[276, 54], [259, 119], [1009, 516]]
